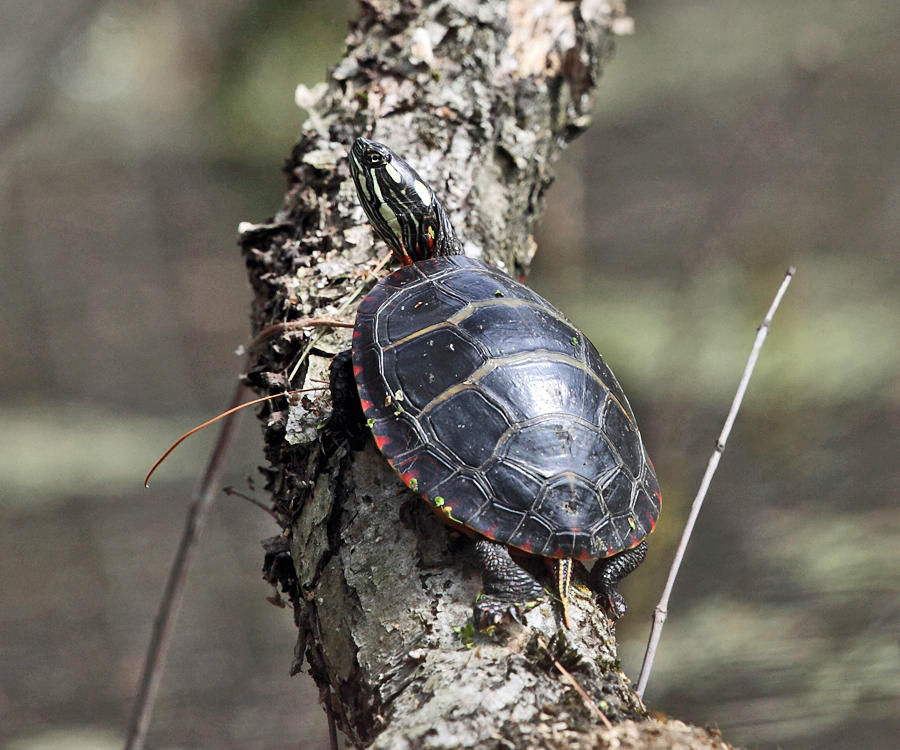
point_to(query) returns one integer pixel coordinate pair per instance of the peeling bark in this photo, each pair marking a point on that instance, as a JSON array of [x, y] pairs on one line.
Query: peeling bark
[[480, 97]]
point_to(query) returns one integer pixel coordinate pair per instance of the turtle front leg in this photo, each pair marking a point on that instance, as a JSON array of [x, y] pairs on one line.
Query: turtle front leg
[[607, 574], [347, 418], [508, 588]]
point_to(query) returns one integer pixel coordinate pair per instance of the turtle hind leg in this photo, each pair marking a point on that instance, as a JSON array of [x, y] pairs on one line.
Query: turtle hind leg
[[347, 423], [508, 588], [607, 574]]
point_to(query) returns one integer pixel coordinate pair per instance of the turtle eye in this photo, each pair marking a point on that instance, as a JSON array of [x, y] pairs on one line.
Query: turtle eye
[[373, 158]]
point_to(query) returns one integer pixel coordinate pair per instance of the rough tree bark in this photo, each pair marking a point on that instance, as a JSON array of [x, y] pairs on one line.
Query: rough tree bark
[[480, 97]]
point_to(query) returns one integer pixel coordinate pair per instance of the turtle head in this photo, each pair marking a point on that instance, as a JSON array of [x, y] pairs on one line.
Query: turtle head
[[401, 206]]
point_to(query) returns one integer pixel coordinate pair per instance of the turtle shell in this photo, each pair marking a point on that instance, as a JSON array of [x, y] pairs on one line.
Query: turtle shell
[[498, 411]]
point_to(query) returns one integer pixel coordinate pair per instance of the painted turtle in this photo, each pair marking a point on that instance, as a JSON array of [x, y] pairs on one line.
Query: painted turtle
[[492, 406]]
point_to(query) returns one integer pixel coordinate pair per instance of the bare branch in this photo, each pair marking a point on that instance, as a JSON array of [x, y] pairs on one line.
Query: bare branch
[[661, 611], [173, 595]]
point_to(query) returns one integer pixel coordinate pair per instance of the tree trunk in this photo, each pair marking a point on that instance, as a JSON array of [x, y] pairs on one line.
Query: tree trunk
[[479, 97]]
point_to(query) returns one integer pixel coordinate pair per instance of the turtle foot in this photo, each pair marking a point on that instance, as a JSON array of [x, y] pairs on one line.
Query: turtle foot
[[607, 574], [509, 590]]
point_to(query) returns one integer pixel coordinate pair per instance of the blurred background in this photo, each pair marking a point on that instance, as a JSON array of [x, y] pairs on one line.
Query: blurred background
[[731, 139]]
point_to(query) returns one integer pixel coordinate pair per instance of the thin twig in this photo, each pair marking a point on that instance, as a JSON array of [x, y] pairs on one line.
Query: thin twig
[[661, 611], [232, 492], [332, 726], [297, 325], [588, 701], [208, 422], [173, 596]]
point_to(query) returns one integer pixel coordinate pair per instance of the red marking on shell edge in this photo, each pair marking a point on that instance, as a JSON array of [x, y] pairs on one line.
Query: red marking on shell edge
[[584, 557], [381, 441], [366, 405], [527, 547], [357, 369]]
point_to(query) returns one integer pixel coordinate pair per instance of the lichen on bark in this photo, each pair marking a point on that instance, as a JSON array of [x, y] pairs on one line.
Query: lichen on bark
[[480, 97]]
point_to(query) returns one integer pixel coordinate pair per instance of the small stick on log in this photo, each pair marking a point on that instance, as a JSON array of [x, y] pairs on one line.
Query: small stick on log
[[296, 325], [661, 611], [588, 701]]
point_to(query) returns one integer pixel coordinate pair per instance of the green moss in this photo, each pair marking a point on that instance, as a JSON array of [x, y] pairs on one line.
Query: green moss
[[466, 634]]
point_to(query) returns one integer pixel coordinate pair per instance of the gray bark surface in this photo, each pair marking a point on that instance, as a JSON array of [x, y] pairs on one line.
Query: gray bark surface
[[480, 97]]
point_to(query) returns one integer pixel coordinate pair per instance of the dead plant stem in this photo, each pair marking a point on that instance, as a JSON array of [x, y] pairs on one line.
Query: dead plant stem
[[661, 611]]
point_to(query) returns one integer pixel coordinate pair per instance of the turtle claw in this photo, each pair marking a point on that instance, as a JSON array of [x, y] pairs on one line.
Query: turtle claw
[[613, 604], [489, 613]]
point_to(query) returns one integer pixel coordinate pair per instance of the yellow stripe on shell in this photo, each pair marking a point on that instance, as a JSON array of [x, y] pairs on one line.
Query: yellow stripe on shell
[[494, 362]]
